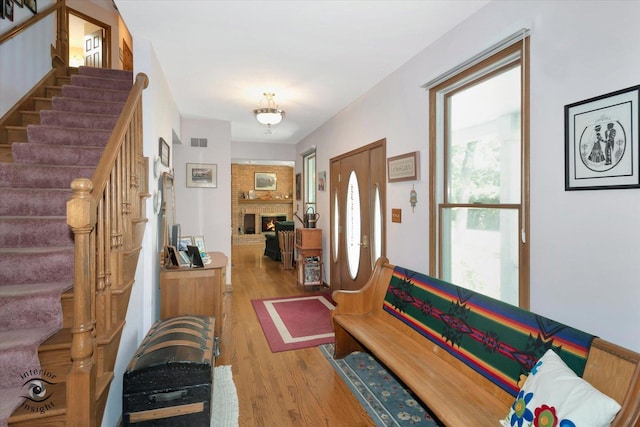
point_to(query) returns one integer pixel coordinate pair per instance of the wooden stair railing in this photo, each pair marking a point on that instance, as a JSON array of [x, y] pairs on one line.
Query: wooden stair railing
[[103, 214]]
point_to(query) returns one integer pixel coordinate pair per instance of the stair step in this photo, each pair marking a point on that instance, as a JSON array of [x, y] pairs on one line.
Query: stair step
[[45, 154], [6, 155], [42, 103], [106, 73], [34, 201], [82, 92], [51, 91], [101, 83], [63, 80], [77, 120], [16, 133], [41, 176], [50, 413], [54, 353], [86, 106], [67, 136], [30, 117], [20, 345], [54, 264], [25, 232], [30, 305]]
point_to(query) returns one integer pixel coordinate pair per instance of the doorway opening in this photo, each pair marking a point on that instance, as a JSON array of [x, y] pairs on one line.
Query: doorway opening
[[89, 41]]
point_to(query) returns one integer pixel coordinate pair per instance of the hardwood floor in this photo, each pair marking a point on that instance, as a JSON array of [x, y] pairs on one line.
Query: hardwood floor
[[291, 388]]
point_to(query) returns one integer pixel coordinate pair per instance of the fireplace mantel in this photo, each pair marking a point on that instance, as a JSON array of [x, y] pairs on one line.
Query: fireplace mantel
[[266, 201]]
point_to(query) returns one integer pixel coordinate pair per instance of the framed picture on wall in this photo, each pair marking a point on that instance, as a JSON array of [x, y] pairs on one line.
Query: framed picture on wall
[[322, 180], [298, 186], [601, 141], [202, 175], [403, 167], [165, 152], [265, 181], [32, 5], [8, 9]]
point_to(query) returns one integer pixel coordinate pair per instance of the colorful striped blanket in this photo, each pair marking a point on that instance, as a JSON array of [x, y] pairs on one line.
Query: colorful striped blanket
[[496, 339]]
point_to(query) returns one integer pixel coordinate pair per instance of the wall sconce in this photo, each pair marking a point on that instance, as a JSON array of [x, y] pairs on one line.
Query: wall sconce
[[413, 198]]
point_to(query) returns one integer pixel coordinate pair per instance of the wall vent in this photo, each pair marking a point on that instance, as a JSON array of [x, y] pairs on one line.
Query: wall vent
[[198, 142]]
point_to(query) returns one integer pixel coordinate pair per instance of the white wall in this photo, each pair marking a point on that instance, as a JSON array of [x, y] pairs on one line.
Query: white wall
[[160, 116], [260, 151], [25, 58], [205, 211], [584, 245]]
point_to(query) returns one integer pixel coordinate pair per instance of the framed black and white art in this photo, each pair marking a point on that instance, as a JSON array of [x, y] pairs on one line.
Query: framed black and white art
[[601, 142]]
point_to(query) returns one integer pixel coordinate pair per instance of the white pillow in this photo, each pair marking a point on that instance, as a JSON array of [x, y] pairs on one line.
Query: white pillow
[[553, 391]]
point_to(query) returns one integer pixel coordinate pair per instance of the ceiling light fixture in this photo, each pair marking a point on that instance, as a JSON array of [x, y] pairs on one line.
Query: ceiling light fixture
[[268, 114]]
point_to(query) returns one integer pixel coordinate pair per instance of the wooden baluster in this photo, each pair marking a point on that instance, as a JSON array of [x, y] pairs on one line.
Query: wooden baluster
[[81, 381]]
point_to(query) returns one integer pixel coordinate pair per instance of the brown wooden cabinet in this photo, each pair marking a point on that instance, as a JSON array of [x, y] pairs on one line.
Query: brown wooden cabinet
[[194, 290], [309, 256]]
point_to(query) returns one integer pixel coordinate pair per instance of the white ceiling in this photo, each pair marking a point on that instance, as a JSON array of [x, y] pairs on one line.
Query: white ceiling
[[317, 56]]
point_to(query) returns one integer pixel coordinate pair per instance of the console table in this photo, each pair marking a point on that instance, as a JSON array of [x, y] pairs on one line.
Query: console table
[[195, 290]]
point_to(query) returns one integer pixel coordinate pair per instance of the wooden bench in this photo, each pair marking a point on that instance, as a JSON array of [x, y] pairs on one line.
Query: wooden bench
[[444, 373]]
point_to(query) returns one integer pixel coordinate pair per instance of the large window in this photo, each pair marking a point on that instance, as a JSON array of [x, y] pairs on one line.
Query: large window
[[309, 172], [479, 156]]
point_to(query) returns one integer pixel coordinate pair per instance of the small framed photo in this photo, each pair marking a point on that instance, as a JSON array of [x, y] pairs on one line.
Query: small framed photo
[[172, 257], [298, 186], [184, 259], [202, 175], [165, 152], [183, 242], [601, 142], [32, 5], [8, 9], [404, 167], [199, 242], [265, 181], [322, 180]]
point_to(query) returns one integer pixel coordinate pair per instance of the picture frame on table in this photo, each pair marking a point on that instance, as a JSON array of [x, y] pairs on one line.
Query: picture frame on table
[[404, 167], [602, 148], [164, 152], [202, 175], [265, 181], [173, 257], [32, 5], [183, 242], [199, 242]]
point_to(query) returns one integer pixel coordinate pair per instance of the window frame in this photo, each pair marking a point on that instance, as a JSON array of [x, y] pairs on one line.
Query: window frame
[[309, 179], [515, 53]]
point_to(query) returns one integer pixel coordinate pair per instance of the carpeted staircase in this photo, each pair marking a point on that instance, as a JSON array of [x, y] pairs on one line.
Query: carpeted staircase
[[36, 244]]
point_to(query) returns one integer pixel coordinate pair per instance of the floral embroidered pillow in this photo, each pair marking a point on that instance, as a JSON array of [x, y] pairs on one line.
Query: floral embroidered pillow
[[553, 395]]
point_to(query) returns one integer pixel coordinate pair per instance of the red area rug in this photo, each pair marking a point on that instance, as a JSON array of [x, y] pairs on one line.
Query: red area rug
[[291, 323]]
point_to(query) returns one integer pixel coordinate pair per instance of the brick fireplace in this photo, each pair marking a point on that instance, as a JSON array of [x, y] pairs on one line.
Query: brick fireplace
[[266, 203]]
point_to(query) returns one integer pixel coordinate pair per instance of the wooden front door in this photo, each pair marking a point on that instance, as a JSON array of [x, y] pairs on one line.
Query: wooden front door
[[358, 194], [93, 49]]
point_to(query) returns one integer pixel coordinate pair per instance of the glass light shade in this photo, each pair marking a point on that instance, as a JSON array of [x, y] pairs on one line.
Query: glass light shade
[[268, 116]]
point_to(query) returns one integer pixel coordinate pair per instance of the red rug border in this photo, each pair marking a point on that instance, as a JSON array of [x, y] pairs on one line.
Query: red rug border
[[269, 329]]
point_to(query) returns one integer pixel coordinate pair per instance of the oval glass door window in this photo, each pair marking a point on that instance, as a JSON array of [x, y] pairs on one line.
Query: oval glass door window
[[377, 226], [336, 225], [352, 236]]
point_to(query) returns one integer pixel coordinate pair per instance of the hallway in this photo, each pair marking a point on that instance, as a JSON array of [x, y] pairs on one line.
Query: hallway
[[294, 388]]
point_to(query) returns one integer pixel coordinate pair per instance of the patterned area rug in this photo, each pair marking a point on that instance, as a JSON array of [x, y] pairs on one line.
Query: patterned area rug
[[291, 323], [379, 392]]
